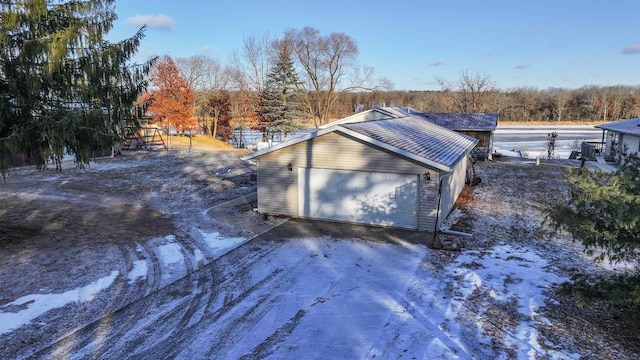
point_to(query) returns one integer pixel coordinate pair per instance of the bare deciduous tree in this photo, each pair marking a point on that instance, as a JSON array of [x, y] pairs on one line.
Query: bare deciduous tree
[[251, 64], [329, 69], [561, 99], [204, 73], [207, 77], [618, 94], [471, 93], [248, 73]]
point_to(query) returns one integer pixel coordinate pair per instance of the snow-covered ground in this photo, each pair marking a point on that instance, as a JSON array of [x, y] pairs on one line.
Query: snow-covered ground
[[225, 296], [337, 298], [169, 253], [24, 310]]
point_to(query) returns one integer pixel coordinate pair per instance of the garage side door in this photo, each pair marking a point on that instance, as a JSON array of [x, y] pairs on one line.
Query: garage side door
[[358, 196]]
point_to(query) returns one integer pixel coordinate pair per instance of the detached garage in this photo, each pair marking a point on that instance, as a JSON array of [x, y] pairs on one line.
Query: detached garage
[[401, 172]]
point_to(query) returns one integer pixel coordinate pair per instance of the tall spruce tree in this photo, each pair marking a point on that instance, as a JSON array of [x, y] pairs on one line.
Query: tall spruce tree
[[280, 104], [603, 212], [63, 88]]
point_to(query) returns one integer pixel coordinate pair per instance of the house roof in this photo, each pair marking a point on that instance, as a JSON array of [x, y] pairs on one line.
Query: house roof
[[451, 121], [631, 126], [407, 136], [462, 121]]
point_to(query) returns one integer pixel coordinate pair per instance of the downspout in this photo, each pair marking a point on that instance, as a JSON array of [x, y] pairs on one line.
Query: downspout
[[435, 227], [490, 145]]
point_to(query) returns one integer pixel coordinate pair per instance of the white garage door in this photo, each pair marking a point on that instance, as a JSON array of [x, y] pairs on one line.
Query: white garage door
[[360, 197]]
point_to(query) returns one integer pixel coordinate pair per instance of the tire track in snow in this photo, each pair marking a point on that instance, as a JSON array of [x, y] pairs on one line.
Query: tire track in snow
[[168, 349], [201, 290], [427, 324], [123, 296], [104, 328], [235, 271], [122, 293], [158, 325], [155, 276], [120, 334], [270, 344]]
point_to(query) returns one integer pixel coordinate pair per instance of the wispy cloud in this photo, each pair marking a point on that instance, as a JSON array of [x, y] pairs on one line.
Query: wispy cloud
[[160, 21], [438, 63], [632, 49], [208, 50], [559, 45], [522, 66]]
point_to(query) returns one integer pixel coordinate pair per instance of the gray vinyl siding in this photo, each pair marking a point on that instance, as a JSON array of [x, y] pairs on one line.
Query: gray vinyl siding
[[277, 186], [452, 187], [428, 202]]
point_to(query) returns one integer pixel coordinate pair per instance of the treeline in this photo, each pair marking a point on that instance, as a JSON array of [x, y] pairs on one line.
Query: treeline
[[585, 104], [589, 103]]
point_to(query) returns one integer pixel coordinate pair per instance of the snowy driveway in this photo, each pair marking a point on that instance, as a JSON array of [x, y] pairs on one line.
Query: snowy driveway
[[327, 297]]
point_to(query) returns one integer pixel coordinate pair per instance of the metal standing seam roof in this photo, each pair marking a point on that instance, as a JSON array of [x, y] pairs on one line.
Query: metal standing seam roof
[[460, 122], [451, 121], [409, 136], [456, 121], [631, 126], [417, 137]]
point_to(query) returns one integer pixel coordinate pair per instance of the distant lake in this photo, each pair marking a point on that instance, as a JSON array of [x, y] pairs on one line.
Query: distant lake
[[530, 140]]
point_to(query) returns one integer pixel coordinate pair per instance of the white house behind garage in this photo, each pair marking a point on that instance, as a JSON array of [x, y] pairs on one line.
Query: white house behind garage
[[622, 136], [400, 172]]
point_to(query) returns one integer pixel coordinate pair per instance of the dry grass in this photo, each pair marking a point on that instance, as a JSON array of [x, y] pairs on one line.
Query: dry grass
[[198, 141]]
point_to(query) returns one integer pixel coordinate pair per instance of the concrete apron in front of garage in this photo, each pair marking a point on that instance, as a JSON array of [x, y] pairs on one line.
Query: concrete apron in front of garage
[[302, 228], [298, 228]]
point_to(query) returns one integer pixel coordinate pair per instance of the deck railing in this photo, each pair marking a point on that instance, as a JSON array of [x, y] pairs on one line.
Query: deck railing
[[590, 149], [598, 146]]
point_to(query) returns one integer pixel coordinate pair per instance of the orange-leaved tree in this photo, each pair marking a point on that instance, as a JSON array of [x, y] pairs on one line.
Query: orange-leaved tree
[[171, 97]]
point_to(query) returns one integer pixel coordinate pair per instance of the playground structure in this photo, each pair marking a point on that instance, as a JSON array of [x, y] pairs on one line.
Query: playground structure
[[147, 137]]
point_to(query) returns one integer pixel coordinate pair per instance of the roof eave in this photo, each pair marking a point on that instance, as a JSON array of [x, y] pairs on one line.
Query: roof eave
[[621, 131], [287, 143]]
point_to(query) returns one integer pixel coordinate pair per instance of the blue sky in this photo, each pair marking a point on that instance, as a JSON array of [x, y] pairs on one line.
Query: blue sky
[[518, 43]]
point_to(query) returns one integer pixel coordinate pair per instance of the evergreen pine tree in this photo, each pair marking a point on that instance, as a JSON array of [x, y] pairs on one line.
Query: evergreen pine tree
[[63, 88], [280, 105], [603, 212]]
